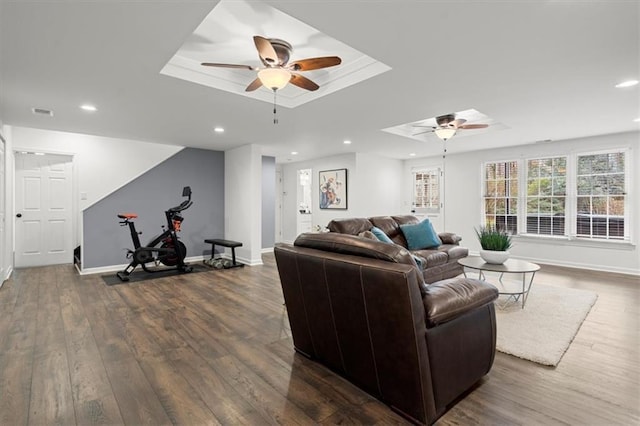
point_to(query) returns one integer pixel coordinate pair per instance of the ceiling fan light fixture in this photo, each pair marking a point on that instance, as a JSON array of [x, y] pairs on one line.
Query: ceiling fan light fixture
[[274, 78], [445, 133]]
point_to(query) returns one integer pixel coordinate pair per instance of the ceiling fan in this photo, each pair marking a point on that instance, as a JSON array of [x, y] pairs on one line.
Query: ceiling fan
[[448, 125], [277, 71]]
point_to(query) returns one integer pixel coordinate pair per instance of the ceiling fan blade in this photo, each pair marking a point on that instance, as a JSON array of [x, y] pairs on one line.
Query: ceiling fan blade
[[457, 123], [211, 64], [303, 82], [473, 126], [265, 50], [255, 84], [424, 131], [315, 63]]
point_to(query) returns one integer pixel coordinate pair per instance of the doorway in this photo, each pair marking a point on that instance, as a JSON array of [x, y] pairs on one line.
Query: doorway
[[44, 209], [304, 221]]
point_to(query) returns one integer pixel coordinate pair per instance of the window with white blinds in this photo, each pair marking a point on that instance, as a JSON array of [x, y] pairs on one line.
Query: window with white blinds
[[546, 196], [426, 191], [501, 195], [601, 196], [577, 196]]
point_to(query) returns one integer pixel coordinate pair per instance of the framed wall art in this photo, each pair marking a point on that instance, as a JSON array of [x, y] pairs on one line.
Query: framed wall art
[[333, 189]]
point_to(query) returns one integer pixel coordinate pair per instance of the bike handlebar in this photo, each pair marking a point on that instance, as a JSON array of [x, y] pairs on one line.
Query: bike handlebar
[[183, 206]]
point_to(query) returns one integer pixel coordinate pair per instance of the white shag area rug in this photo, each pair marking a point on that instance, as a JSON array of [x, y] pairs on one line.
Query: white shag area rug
[[544, 329]]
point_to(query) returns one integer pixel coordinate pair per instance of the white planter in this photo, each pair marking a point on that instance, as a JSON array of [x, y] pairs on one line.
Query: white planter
[[494, 257]]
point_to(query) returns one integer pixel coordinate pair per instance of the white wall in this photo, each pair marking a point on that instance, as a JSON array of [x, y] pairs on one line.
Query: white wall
[[378, 182], [243, 201], [372, 189], [290, 188], [101, 164], [7, 244], [464, 204]]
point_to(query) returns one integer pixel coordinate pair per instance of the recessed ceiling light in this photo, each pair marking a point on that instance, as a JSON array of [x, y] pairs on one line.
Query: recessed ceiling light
[[627, 83], [294, 152], [347, 142], [88, 107], [413, 154], [637, 120], [218, 129]]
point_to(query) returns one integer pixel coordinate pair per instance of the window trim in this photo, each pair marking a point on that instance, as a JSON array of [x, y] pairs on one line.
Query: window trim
[[427, 210], [483, 192], [568, 199], [570, 236], [626, 152]]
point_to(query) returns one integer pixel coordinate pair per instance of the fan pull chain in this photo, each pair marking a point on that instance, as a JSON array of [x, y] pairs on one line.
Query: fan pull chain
[[275, 116]]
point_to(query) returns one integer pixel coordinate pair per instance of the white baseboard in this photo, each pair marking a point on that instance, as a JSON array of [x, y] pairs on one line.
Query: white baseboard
[[116, 268]]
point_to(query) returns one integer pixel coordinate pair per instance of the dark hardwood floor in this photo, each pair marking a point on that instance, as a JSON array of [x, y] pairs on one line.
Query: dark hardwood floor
[[215, 348]]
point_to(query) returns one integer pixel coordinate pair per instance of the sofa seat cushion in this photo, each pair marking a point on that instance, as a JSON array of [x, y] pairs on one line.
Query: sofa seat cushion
[[431, 258], [448, 299]]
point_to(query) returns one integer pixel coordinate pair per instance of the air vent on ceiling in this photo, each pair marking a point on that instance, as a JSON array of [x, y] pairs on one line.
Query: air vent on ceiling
[[42, 111]]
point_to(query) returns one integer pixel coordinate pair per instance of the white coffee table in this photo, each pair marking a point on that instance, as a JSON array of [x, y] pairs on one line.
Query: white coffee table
[[511, 266]]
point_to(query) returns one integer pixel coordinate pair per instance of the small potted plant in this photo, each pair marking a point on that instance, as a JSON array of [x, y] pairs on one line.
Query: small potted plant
[[495, 244]]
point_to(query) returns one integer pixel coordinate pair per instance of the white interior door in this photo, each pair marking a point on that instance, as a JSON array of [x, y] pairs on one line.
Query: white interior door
[[43, 205]]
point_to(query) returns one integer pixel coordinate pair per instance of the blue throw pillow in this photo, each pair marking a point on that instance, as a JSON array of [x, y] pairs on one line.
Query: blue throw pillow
[[420, 235], [381, 235]]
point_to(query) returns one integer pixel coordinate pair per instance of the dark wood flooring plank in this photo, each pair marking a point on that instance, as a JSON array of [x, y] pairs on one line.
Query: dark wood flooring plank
[[266, 400], [136, 398], [16, 369], [93, 397], [229, 406], [215, 347], [51, 396]]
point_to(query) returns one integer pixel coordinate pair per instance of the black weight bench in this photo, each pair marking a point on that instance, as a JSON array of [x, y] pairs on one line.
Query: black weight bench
[[225, 243]]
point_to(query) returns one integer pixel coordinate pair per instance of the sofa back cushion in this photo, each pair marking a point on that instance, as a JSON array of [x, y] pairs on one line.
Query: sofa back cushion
[[359, 246], [351, 226], [390, 227]]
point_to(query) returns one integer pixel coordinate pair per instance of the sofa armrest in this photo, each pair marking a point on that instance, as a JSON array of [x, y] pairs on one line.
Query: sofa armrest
[[449, 238], [449, 299]]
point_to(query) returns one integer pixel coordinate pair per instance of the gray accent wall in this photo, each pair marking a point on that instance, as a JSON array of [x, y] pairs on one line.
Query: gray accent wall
[[268, 202], [105, 241]]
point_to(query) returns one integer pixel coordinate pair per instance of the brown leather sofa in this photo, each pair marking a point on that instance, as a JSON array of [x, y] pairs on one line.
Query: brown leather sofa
[[438, 263], [361, 307]]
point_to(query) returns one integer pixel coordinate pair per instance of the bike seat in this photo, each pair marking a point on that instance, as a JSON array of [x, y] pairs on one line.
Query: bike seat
[[127, 215]]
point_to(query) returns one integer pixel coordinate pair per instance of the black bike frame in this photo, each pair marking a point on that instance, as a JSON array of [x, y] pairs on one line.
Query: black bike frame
[[169, 237]]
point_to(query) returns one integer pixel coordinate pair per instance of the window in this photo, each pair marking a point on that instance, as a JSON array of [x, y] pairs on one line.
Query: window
[[546, 196], [577, 196], [601, 193], [426, 191], [501, 195]]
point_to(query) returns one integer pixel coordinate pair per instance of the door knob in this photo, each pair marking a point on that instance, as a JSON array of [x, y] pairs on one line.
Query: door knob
[[19, 215]]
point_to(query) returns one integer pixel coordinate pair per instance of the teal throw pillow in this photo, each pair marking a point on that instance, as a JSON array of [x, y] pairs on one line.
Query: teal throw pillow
[[420, 235], [417, 260], [381, 235]]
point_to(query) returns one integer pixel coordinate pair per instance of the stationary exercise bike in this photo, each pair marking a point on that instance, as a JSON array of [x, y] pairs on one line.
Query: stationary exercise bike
[[164, 249]]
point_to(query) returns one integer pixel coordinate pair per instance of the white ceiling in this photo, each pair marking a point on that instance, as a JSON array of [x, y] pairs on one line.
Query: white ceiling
[[544, 69], [222, 38]]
